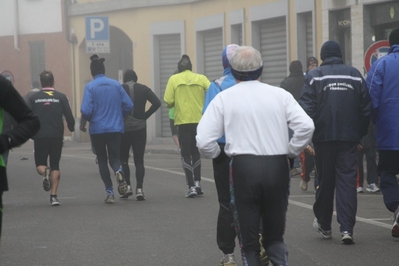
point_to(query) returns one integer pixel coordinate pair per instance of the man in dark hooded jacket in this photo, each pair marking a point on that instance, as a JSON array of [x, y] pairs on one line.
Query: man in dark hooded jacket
[[336, 98], [294, 82]]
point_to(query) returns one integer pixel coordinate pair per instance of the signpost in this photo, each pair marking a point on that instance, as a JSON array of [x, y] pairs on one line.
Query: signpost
[[97, 35], [375, 51]]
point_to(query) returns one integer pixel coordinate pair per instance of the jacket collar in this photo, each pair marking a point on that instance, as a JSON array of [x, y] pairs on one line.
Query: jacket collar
[[332, 61]]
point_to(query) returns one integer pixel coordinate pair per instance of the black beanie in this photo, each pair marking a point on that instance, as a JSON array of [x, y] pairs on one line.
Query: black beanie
[[184, 63], [394, 37], [129, 75], [97, 65], [330, 49]]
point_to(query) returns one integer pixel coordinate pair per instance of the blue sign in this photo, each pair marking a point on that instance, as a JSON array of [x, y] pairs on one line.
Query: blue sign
[[97, 35], [97, 29]]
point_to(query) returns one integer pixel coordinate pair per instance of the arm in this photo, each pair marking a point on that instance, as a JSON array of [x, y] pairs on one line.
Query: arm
[[301, 124], [210, 129], [155, 103], [28, 124], [374, 85], [365, 108], [169, 96], [87, 104], [66, 108], [212, 91], [307, 100], [127, 104]]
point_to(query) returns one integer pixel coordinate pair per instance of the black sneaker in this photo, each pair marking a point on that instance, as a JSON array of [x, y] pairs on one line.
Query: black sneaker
[[122, 186], [198, 188], [46, 179], [128, 193], [54, 201], [347, 238]]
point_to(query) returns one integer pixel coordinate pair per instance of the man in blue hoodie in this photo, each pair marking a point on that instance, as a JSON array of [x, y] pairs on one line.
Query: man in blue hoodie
[[104, 105], [383, 84]]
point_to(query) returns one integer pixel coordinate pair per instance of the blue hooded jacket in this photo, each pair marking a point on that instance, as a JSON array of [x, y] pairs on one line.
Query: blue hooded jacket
[[218, 85], [104, 105], [383, 83]]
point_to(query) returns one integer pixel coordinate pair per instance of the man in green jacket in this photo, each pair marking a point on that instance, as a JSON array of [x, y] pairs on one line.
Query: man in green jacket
[[185, 92]]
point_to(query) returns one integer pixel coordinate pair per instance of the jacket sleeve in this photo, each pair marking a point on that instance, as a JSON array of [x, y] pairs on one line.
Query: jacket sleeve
[[87, 104], [210, 129], [308, 100], [127, 104], [169, 96], [28, 124], [68, 114], [365, 108], [374, 85], [212, 91], [155, 103]]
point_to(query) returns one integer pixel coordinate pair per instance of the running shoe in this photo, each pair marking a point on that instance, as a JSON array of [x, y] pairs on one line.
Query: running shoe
[[46, 179], [227, 260], [395, 226], [304, 185], [54, 201], [359, 190], [347, 238], [122, 186], [372, 188], [128, 193], [317, 227], [110, 198], [140, 194], [191, 193], [198, 188]]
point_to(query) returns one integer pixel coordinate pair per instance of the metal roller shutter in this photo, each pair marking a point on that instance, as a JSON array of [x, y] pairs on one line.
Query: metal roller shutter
[[213, 48], [273, 48], [309, 36], [170, 54]]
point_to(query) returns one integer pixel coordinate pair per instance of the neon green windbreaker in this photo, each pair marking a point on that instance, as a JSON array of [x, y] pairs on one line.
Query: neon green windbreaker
[[186, 92]]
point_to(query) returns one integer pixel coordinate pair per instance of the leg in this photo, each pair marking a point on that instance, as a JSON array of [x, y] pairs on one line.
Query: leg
[[99, 145], [113, 142], [390, 190], [55, 157], [325, 164], [185, 145], [372, 177], [346, 198], [274, 209], [138, 145], [225, 232], [195, 155], [360, 171], [124, 154]]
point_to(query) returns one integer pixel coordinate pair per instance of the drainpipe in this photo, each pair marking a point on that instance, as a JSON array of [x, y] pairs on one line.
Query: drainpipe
[[16, 26]]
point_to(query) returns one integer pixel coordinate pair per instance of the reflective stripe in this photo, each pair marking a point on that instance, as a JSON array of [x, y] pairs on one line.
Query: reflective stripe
[[335, 77]]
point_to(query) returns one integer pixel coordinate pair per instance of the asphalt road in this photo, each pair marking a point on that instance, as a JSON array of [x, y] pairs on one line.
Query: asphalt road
[[165, 229]]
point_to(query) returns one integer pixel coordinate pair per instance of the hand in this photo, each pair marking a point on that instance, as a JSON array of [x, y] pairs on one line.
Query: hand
[[309, 149], [359, 147]]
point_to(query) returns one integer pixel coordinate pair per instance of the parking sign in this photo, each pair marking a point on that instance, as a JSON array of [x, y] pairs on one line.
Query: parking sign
[[97, 35]]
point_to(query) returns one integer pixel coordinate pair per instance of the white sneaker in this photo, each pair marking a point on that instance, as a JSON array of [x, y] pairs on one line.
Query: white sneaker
[[227, 260], [140, 194], [372, 188], [303, 185], [359, 190]]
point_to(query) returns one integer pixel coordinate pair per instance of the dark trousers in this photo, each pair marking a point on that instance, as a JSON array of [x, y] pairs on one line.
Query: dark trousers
[[336, 164], [225, 232], [107, 147], [259, 194], [190, 155], [390, 190], [371, 166], [137, 140]]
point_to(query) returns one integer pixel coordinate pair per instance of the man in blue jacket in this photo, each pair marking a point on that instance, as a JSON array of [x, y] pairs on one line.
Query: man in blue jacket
[[336, 98], [104, 105], [383, 84]]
